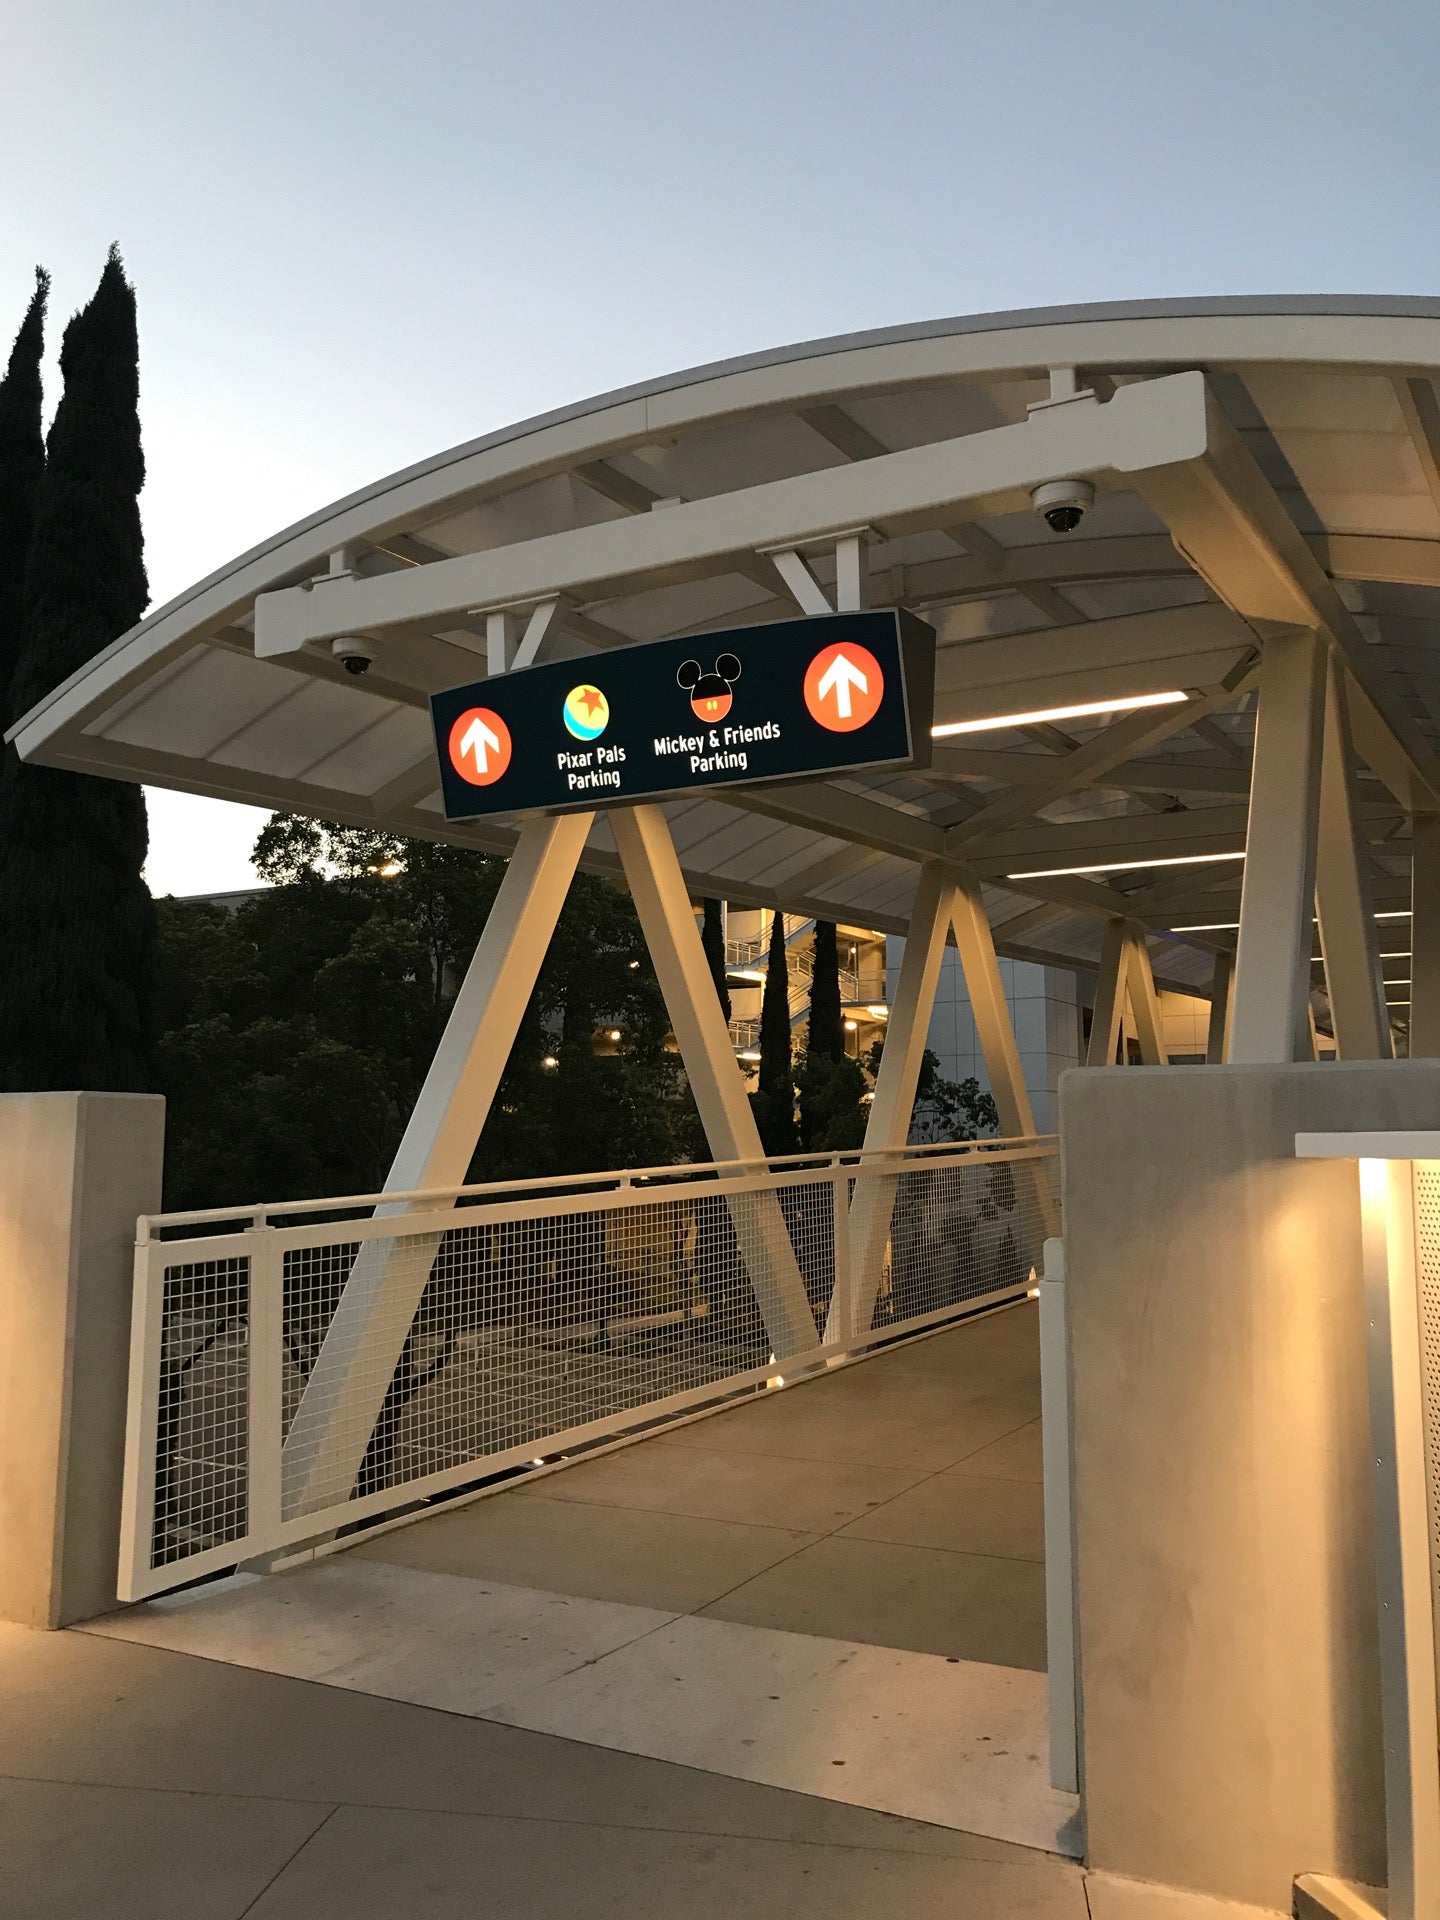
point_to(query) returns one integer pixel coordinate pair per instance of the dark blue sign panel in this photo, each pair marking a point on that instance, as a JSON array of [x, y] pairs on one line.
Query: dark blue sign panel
[[792, 699]]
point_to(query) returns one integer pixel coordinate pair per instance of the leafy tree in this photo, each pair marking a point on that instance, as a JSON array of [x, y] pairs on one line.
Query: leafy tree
[[300, 1026], [832, 1109], [22, 468], [712, 938], [945, 1109], [77, 961], [774, 1098]]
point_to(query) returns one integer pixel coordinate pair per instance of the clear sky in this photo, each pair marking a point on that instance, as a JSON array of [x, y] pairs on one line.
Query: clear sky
[[361, 232]]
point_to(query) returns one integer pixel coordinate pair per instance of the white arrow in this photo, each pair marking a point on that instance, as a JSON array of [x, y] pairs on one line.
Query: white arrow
[[838, 678], [478, 738]]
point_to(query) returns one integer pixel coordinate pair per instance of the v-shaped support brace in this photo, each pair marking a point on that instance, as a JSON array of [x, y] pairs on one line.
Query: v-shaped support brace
[[947, 901], [341, 1403], [1125, 975], [346, 1390]]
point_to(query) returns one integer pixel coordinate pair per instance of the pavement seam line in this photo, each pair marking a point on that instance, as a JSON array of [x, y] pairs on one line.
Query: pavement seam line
[[1040, 1854], [289, 1861]]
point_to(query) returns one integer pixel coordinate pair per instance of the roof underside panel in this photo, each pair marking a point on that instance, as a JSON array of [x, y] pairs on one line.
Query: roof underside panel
[[1333, 404]]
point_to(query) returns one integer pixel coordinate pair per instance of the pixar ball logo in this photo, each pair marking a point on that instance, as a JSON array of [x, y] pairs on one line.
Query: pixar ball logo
[[587, 712]]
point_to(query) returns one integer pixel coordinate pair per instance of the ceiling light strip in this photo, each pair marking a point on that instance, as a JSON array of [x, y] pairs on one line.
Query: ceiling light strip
[[1123, 866], [1233, 926], [1084, 710]]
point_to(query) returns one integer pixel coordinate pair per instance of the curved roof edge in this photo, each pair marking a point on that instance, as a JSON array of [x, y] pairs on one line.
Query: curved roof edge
[[1012, 320], [1279, 305]]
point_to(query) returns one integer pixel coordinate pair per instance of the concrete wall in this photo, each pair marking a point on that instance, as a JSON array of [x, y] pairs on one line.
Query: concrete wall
[[75, 1171], [1043, 1006], [1224, 1550]]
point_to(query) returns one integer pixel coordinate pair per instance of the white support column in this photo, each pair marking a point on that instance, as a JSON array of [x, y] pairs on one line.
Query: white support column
[[533, 638], [1216, 1040], [1344, 907], [504, 651], [807, 590], [499, 641], [888, 1127], [996, 1030], [1425, 937], [1144, 1001], [993, 1025], [347, 1386], [1106, 1020], [1272, 965], [652, 872], [852, 574], [454, 1102], [908, 1026]]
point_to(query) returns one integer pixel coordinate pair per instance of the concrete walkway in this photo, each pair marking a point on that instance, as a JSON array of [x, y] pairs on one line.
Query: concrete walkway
[[896, 1503], [857, 1544]]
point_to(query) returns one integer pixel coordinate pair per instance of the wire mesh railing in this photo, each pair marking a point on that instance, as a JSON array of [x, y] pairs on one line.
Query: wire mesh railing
[[298, 1370]]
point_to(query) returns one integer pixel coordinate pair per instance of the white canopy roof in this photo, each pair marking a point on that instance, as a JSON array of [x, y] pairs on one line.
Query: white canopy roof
[[1258, 464]]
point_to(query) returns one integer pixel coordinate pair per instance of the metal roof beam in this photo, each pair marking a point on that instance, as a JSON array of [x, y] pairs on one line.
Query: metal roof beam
[[1130, 837], [636, 496], [1422, 418], [1232, 526], [842, 432], [1135, 731], [839, 814], [1395, 560], [1128, 840], [1191, 773], [1160, 423]]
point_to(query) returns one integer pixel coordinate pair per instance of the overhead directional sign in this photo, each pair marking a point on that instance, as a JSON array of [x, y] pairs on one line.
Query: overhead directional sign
[[793, 699]]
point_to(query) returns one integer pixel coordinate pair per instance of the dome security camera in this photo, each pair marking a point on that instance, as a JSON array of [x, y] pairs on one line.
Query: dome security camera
[[353, 653], [1063, 503]]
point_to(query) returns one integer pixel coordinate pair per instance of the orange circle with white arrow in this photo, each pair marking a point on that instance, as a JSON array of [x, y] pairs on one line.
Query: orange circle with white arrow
[[844, 687], [480, 746]]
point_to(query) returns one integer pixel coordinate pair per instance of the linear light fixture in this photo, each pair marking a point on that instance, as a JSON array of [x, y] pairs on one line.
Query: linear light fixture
[[1318, 959], [1123, 866], [1125, 703], [1395, 913], [1233, 926]]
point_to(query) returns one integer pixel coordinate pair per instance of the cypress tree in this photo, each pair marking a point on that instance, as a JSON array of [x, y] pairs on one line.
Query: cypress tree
[[76, 960], [775, 1099], [831, 1085], [22, 464], [712, 938], [827, 1026]]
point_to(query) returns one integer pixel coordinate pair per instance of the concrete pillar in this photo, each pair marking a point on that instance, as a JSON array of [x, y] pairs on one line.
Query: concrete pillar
[[1144, 1001], [1271, 994], [76, 1170], [993, 1023], [1225, 1565], [1425, 938], [1108, 1018], [1344, 909], [1217, 1039]]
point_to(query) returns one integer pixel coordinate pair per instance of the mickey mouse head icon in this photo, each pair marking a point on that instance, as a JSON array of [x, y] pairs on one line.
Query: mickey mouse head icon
[[710, 695]]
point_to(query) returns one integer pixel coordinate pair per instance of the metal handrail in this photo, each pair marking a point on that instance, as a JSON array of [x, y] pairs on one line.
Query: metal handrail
[[676, 1173]]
